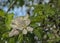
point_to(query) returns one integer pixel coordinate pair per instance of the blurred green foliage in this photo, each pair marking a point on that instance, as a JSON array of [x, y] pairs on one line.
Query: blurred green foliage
[[47, 32]]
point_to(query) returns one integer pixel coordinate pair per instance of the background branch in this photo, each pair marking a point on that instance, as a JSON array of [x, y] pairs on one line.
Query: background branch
[[11, 6]]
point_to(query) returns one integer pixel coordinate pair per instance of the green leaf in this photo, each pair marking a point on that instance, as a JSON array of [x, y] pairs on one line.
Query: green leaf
[[51, 36], [38, 32], [5, 35], [2, 24], [2, 13], [50, 41], [57, 39], [29, 38], [21, 2], [1, 41], [8, 20], [12, 40], [33, 25], [2, 21], [20, 38]]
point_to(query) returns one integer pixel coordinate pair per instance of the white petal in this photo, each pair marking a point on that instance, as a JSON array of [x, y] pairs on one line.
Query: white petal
[[30, 29], [26, 17], [20, 28], [19, 18], [39, 24], [24, 31], [51, 28], [17, 27], [14, 22], [54, 26], [22, 23], [27, 22], [13, 26], [13, 33]]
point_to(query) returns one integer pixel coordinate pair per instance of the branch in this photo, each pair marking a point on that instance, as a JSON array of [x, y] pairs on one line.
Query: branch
[[11, 5]]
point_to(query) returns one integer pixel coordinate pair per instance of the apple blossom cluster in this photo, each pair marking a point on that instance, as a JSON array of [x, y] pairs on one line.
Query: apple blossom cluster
[[20, 24]]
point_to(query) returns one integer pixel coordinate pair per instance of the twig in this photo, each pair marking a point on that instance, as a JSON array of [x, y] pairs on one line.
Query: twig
[[11, 5]]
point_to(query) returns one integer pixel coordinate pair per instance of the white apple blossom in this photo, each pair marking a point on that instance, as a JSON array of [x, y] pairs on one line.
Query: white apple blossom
[[30, 29], [13, 32], [24, 31], [54, 26], [51, 28], [20, 24]]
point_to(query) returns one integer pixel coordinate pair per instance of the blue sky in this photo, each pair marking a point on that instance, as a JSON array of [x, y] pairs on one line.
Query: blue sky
[[21, 11]]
